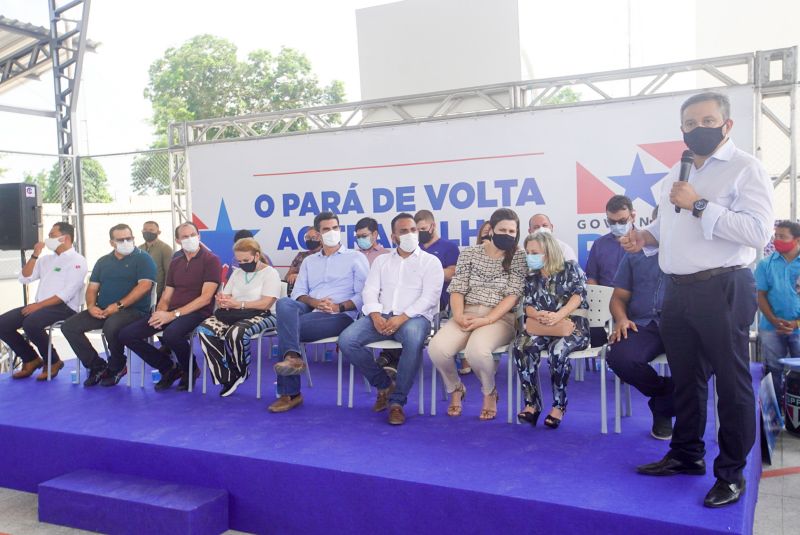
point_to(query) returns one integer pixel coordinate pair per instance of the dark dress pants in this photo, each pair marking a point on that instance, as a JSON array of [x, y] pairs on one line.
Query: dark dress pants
[[175, 336], [76, 327], [33, 326], [705, 327]]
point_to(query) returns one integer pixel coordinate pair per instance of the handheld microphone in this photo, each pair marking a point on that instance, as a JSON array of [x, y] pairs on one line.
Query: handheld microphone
[[687, 160]]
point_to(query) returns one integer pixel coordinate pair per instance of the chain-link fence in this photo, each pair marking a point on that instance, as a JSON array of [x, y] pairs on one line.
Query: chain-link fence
[[126, 188]]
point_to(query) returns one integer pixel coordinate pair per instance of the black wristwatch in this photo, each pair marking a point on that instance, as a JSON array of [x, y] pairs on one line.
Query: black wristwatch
[[698, 207], [120, 306]]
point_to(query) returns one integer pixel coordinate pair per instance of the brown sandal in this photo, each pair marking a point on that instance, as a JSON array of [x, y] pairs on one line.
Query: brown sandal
[[453, 409], [489, 414]]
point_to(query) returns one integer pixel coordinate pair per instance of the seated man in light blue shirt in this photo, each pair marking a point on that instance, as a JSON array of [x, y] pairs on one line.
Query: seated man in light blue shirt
[[401, 296], [778, 283], [324, 301]]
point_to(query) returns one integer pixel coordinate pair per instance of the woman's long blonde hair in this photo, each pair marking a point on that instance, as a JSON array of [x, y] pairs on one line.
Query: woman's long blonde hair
[[554, 258]]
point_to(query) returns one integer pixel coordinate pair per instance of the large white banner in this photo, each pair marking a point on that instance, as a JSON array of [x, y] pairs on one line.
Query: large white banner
[[565, 163]]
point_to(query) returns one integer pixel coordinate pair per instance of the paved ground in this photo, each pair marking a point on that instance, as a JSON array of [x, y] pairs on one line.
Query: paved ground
[[777, 513]]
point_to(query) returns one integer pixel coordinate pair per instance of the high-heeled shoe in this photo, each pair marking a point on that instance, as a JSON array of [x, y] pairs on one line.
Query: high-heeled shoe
[[552, 422], [455, 410], [527, 417], [489, 414]]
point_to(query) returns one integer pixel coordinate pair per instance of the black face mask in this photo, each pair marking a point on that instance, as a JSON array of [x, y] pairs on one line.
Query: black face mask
[[149, 236], [504, 242], [703, 140], [313, 244], [248, 267], [425, 236]]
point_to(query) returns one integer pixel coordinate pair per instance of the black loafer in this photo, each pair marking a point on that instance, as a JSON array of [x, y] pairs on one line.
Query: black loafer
[[670, 467], [724, 493]]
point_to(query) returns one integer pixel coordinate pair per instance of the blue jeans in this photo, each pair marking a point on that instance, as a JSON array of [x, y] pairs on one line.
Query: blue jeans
[[776, 346], [411, 334], [297, 324]]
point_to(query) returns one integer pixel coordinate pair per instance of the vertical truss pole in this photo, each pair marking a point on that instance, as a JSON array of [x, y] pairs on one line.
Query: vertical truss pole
[[793, 154], [68, 24]]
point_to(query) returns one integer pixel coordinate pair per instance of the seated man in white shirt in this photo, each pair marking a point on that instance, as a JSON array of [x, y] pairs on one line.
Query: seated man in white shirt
[[58, 297], [401, 297], [541, 223]]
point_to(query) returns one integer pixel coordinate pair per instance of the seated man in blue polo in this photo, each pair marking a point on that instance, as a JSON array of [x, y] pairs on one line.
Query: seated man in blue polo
[[192, 280], [778, 284], [636, 307], [324, 301], [401, 297], [118, 294], [606, 252], [58, 297]]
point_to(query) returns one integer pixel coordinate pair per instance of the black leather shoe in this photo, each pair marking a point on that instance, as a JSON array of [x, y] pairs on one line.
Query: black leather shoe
[[183, 385], [724, 493], [168, 378], [670, 467]]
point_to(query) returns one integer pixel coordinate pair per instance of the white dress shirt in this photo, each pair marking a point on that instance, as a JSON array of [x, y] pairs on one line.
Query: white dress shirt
[[61, 275], [567, 251], [410, 286], [737, 221]]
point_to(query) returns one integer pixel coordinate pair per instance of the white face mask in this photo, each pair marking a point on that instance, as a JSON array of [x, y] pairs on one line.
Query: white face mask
[[125, 248], [545, 230], [409, 242], [332, 238], [53, 243], [190, 244]]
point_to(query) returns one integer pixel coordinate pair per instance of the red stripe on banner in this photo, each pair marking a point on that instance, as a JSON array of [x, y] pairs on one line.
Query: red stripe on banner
[[790, 470], [433, 162]]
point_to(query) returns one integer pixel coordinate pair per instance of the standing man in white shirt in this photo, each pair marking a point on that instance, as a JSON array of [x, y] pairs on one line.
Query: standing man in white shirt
[[58, 297], [540, 222], [401, 297], [725, 214]]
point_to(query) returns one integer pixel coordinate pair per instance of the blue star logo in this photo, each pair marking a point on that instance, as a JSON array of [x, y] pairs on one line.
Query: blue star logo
[[220, 240], [638, 184]]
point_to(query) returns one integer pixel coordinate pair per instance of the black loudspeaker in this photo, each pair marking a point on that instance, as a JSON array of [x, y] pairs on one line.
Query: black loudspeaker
[[20, 216]]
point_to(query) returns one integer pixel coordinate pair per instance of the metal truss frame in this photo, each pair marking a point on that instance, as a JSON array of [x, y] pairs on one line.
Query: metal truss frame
[[771, 73], [68, 25]]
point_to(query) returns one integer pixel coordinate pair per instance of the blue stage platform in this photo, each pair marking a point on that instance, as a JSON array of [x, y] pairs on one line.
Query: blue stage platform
[[328, 469]]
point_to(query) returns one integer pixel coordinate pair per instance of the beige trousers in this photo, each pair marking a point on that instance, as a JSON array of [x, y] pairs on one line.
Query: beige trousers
[[476, 345]]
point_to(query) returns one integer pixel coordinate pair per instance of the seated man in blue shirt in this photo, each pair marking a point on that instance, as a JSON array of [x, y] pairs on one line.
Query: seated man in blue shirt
[[778, 283], [324, 301], [606, 253], [636, 307]]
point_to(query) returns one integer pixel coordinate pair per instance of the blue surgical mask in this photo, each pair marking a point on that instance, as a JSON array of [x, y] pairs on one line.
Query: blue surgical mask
[[620, 230], [535, 261], [365, 242]]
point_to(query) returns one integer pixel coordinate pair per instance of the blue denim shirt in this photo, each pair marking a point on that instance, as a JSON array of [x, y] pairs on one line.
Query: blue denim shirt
[[781, 280], [640, 275], [340, 276]]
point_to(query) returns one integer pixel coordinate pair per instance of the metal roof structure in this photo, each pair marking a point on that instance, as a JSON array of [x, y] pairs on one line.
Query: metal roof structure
[[25, 54]]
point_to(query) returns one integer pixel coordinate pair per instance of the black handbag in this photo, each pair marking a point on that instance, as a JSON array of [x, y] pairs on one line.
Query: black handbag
[[232, 315]]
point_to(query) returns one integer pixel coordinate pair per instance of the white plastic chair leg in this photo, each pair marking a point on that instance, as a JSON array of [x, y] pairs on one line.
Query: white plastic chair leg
[[433, 390], [339, 381], [617, 405], [510, 388], [603, 400], [49, 352], [350, 387], [258, 365], [628, 406], [421, 387]]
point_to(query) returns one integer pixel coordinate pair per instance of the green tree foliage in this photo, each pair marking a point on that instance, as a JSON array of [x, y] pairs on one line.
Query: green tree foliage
[[565, 96], [93, 176], [203, 78]]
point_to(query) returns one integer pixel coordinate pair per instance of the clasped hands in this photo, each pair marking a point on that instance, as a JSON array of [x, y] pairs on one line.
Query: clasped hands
[[470, 322], [543, 316], [103, 313], [387, 326], [785, 327], [227, 301]]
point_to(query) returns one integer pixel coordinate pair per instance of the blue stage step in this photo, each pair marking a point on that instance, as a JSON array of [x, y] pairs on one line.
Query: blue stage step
[[121, 504]]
